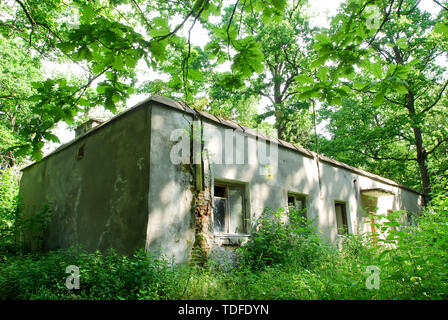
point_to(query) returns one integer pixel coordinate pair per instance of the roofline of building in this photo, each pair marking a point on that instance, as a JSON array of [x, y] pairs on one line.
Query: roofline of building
[[232, 124]]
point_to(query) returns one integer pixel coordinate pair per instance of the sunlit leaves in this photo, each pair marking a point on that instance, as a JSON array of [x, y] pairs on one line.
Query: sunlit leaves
[[105, 40], [159, 27], [88, 13], [252, 36], [249, 58], [379, 98], [215, 50], [271, 10], [442, 28], [303, 79]]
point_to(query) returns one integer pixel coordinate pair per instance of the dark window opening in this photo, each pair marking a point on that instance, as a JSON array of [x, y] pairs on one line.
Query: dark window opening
[[341, 218], [219, 215], [291, 202], [410, 218], [297, 202], [220, 191], [229, 209]]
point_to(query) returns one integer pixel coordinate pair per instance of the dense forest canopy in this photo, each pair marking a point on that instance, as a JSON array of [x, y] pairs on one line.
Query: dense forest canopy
[[376, 76]]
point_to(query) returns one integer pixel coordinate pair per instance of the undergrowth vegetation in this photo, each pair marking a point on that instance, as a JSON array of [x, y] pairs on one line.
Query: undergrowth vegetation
[[9, 189], [284, 259]]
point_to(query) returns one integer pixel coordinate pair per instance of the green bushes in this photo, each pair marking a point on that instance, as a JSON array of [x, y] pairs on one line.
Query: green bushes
[[418, 266], [111, 276], [285, 239], [412, 260], [285, 259]]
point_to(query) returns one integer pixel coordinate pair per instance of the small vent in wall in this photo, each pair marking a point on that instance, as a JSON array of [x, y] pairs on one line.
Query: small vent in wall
[[80, 153]]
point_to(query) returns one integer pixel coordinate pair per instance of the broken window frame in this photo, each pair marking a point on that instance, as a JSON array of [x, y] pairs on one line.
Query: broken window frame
[[298, 197], [227, 223], [344, 229]]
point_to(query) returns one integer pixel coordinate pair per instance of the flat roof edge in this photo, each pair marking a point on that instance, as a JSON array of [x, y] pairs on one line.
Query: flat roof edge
[[94, 129], [367, 174], [228, 123]]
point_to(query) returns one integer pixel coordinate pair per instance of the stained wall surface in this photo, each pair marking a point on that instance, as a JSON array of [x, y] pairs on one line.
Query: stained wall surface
[[229, 150], [96, 187], [298, 173]]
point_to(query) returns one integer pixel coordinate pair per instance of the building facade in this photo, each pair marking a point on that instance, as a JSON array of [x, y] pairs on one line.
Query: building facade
[[163, 176]]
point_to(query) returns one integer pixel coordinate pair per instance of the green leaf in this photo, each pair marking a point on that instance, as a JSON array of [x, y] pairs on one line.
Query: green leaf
[[400, 88], [322, 74], [441, 27], [158, 49], [118, 63], [36, 154], [379, 98], [160, 27], [318, 62], [402, 43], [87, 14], [312, 93], [51, 137], [131, 62], [336, 100], [195, 75], [35, 98], [249, 58], [303, 79], [66, 47]]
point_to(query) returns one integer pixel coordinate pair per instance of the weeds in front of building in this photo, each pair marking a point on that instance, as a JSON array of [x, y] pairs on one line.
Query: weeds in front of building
[[284, 259]]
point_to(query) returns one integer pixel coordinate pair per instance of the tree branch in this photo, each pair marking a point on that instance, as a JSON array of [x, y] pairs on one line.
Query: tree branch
[[185, 61], [230, 21], [28, 15], [288, 83], [142, 14], [439, 142], [175, 29], [437, 99], [386, 17], [440, 4], [267, 96], [409, 11]]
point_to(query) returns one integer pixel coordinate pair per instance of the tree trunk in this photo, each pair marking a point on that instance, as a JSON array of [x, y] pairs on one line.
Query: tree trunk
[[280, 128], [422, 155], [279, 116]]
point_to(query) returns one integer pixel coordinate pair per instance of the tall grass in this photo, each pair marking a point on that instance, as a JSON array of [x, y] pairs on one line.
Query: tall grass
[[283, 260]]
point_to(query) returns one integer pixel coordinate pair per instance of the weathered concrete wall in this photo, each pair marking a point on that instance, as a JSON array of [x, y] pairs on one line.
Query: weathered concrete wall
[[101, 199], [298, 173], [171, 221], [172, 191]]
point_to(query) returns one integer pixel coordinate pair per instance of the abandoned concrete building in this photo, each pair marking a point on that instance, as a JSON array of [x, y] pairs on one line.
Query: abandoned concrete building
[[125, 184]]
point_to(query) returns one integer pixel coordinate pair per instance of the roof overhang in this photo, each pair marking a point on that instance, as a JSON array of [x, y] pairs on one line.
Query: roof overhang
[[376, 192], [183, 107]]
